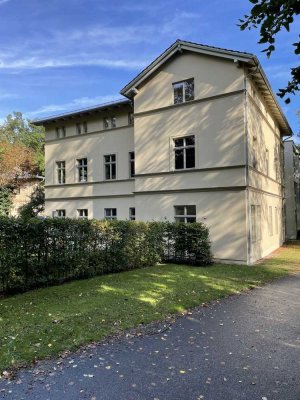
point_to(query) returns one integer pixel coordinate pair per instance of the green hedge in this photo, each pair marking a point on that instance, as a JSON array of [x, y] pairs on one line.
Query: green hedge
[[39, 252]]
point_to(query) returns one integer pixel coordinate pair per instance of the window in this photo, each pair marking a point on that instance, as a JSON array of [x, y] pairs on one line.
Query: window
[[132, 213], [184, 149], [110, 166], [61, 172], [276, 220], [183, 91], [78, 129], [82, 213], [105, 123], [270, 221], [82, 170], [130, 119], [59, 214], [185, 214], [267, 162], [113, 122], [131, 164], [60, 132], [85, 127], [255, 216], [110, 213]]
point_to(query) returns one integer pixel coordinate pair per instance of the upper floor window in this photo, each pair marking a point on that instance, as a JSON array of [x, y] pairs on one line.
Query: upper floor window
[[61, 171], [184, 149], [109, 122], [110, 166], [130, 118], [131, 164], [82, 213], [110, 213], [113, 122], [270, 222], [81, 128], [82, 170], [132, 213], [186, 214], [60, 132], [183, 91]]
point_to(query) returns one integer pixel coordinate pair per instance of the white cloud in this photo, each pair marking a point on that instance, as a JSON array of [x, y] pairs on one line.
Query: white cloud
[[82, 102]]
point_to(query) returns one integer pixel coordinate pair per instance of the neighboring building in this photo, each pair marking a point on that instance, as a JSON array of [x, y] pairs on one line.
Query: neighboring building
[[22, 192], [292, 190], [206, 145]]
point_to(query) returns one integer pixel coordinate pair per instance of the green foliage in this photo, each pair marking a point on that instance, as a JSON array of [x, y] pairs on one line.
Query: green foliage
[[5, 201], [36, 204], [272, 16], [17, 129], [39, 252], [51, 320]]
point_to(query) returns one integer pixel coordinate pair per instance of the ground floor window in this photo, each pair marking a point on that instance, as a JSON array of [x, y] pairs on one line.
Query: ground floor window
[[255, 215], [185, 214], [132, 213], [59, 214], [82, 213], [270, 221], [110, 213], [276, 220]]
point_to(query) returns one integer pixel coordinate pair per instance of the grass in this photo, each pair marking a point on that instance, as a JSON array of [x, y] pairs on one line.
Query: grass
[[47, 321]]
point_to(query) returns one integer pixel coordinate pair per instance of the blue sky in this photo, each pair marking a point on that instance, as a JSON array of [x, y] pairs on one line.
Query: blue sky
[[59, 55]]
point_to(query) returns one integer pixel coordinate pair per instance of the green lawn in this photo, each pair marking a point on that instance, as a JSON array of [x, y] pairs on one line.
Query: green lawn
[[47, 321]]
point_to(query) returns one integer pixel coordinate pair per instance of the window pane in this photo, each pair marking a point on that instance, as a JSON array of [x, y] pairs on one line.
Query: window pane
[[191, 220], [190, 157], [114, 212], [113, 171], [189, 90], [113, 157], [105, 123], [180, 219], [179, 159], [178, 142], [179, 210], [106, 159], [190, 210], [113, 122], [190, 140], [107, 171], [178, 93]]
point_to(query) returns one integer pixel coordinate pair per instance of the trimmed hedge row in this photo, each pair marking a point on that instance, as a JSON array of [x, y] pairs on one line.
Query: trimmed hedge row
[[40, 252]]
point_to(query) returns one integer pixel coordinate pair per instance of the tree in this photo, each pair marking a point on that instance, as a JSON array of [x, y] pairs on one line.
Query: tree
[[272, 16], [36, 204], [18, 130], [16, 161], [5, 201]]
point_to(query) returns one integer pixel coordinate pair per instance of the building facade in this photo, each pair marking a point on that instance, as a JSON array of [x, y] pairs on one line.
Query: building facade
[[292, 190], [197, 137]]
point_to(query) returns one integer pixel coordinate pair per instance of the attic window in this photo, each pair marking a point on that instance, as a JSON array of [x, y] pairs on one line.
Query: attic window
[[183, 91]]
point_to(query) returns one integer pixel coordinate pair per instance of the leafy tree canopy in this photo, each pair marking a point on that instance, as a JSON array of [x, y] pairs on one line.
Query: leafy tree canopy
[[18, 130], [36, 204], [272, 16]]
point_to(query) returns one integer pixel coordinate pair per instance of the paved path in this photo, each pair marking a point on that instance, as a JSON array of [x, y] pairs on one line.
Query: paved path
[[244, 347]]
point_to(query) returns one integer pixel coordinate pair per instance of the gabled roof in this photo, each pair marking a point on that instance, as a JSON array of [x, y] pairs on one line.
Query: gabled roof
[[82, 112], [250, 60]]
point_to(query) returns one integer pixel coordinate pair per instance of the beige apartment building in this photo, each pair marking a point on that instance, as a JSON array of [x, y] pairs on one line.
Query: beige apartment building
[[197, 137]]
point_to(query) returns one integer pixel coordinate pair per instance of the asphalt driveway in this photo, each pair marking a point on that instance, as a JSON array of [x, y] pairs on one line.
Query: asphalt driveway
[[244, 347]]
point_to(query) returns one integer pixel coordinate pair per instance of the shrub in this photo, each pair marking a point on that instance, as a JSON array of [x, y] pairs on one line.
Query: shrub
[[39, 252]]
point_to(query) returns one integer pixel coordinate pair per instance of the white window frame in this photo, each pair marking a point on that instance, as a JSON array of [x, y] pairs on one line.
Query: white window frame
[[182, 84], [110, 163], [255, 221], [185, 215], [61, 213], [108, 214], [60, 172], [78, 128], [184, 147], [82, 213], [113, 122], [132, 213], [85, 127], [80, 167], [105, 123]]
